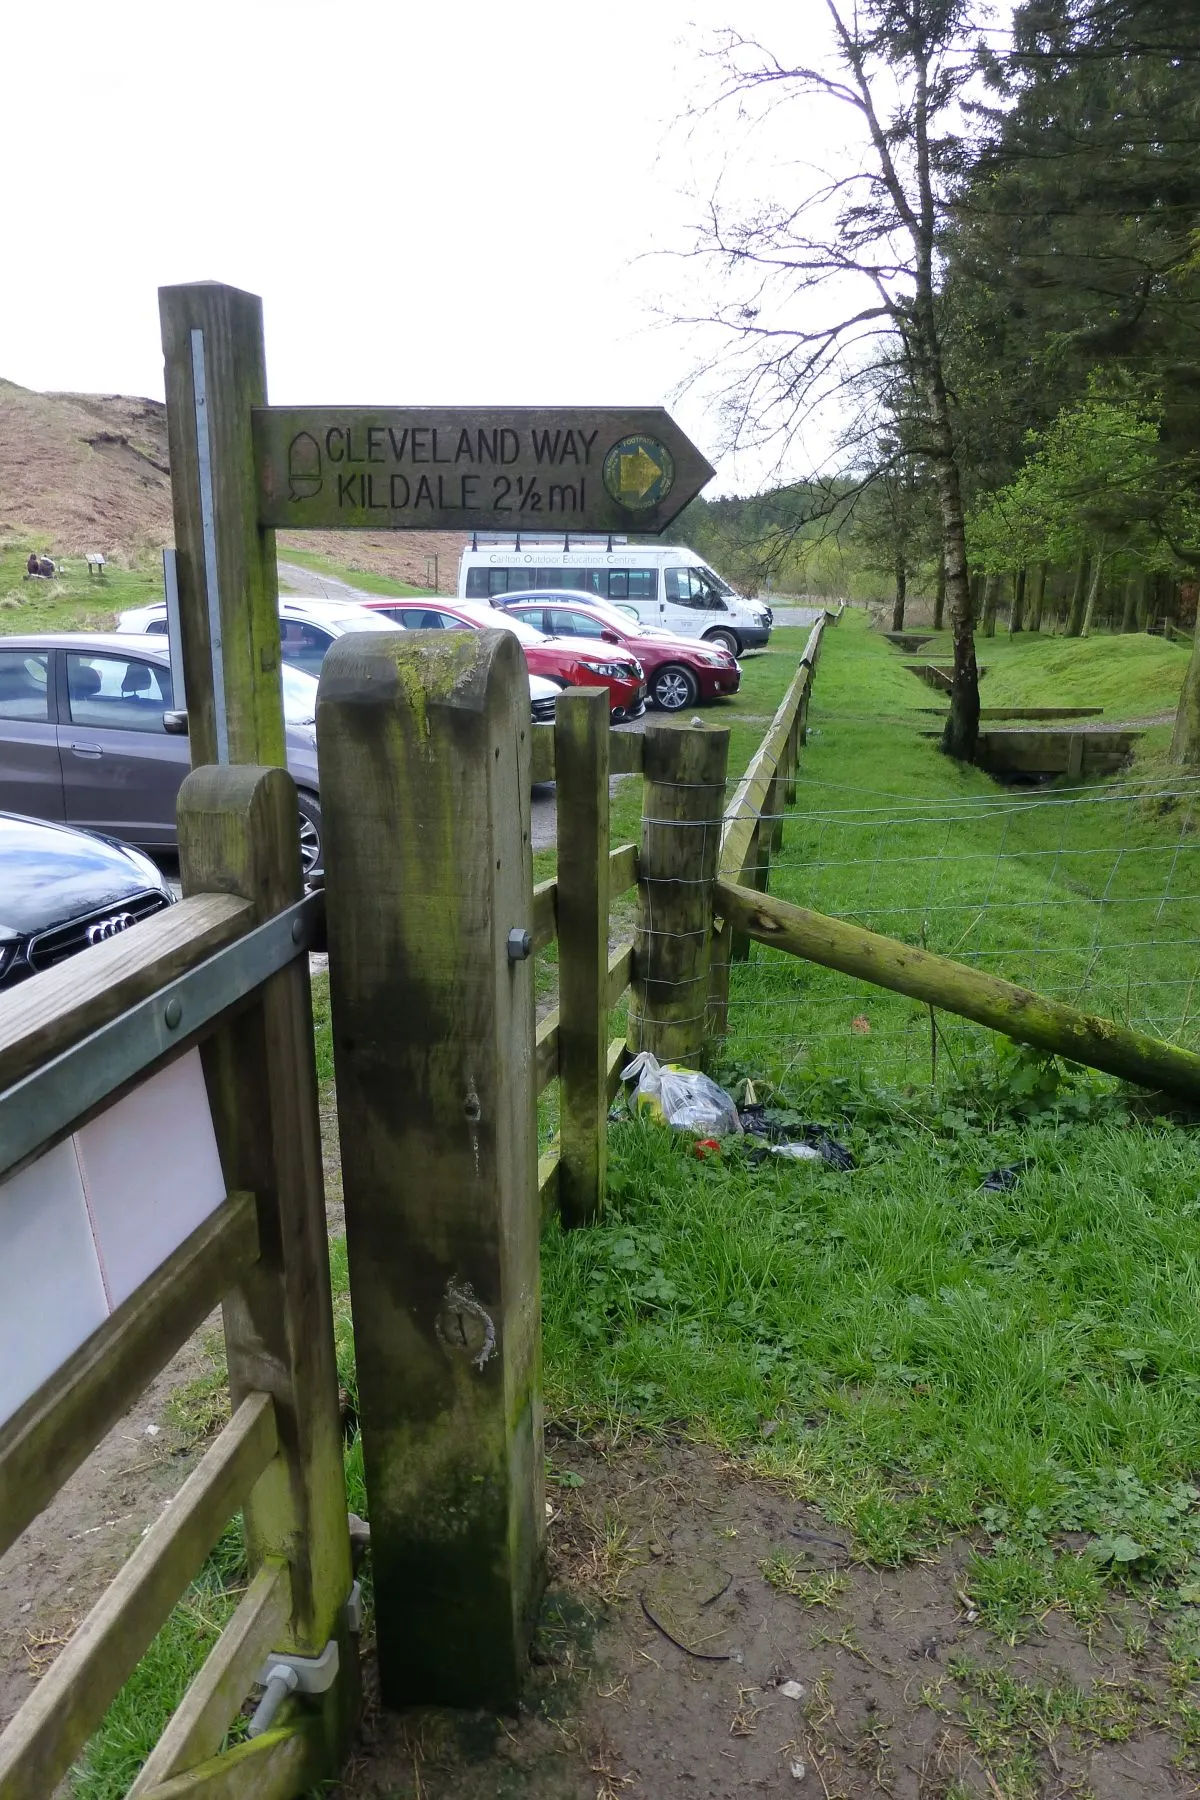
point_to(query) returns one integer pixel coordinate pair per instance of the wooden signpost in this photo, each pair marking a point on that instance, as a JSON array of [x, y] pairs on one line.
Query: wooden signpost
[[472, 469], [439, 1161]]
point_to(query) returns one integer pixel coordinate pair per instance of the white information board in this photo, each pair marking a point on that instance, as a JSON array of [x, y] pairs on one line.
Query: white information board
[[83, 1226]]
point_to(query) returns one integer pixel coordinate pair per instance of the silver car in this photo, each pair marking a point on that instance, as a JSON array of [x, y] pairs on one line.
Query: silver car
[[89, 736]]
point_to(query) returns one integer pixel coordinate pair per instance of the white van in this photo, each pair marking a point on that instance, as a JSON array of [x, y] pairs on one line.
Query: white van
[[664, 586]]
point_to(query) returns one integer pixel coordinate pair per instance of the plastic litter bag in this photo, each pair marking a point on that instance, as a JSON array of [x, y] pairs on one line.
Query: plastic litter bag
[[683, 1098]]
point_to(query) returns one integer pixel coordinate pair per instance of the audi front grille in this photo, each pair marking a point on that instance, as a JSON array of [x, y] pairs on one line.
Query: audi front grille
[[54, 946]]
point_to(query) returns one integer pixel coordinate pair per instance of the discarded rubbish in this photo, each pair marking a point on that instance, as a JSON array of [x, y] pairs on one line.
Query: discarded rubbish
[[706, 1147], [797, 1771], [999, 1181], [804, 1143], [683, 1098]]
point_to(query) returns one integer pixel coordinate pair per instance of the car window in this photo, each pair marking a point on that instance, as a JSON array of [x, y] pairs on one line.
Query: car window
[[303, 645], [632, 584], [423, 618], [121, 692], [529, 615], [24, 687], [565, 623], [688, 587]]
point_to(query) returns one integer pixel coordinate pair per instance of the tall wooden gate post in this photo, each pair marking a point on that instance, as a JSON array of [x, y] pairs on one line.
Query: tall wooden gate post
[[237, 835], [682, 811], [425, 772], [225, 562], [581, 727]]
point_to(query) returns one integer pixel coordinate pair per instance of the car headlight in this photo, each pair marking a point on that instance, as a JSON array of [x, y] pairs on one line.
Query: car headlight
[[610, 671], [8, 950]]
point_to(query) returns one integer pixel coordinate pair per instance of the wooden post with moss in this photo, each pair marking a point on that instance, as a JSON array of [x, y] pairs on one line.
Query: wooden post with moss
[[682, 814], [581, 729], [215, 366], [425, 775], [237, 835]]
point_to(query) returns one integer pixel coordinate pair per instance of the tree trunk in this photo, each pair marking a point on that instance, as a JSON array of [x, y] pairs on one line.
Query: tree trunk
[[1185, 742], [1129, 610], [1085, 630], [939, 598], [901, 595], [1017, 621], [991, 594], [976, 592], [1148, 602], [1079, 594], [1171, 610], [1039, 598]]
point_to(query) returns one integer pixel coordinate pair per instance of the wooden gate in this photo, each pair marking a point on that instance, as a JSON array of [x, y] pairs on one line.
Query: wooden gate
[[224, 973]]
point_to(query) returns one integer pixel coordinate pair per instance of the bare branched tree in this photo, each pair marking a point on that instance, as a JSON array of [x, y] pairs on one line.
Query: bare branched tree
[[819, 290]]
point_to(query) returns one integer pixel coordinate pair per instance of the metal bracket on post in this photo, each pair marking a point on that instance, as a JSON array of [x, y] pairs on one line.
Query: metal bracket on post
[[285, 1673]]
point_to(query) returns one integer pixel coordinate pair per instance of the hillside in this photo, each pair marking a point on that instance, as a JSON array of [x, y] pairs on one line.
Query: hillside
[[82, 472]]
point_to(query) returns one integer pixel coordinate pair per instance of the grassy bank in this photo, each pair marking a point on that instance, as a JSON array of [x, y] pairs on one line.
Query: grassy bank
[[73, 600], [366, 579], [1131, 675]]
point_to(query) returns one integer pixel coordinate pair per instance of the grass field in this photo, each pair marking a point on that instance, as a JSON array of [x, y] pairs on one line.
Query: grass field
[[73, 600], [931, 1356], [1088, 893]]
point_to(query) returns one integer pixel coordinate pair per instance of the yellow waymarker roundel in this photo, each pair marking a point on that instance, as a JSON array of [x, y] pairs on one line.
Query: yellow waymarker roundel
[[639, 472]]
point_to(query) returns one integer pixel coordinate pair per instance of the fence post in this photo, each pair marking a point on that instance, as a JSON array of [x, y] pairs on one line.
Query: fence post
[[682, 810], [581, 727], [215, 365], [237, 835], [425, 780]]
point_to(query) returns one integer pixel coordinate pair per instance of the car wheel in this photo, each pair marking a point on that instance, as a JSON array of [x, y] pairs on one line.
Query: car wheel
[[727, 639], [674, 687], [312, 840]]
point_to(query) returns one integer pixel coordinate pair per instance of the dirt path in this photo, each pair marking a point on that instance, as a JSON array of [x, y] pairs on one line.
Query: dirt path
[[59, 1567], [669, 1665]]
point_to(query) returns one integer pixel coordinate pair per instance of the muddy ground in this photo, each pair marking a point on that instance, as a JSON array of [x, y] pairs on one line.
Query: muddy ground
[[667, 1664], [688, 1602]]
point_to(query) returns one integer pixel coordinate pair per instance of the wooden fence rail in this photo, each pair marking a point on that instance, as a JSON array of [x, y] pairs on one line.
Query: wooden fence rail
[[226, 970], [753, 823]]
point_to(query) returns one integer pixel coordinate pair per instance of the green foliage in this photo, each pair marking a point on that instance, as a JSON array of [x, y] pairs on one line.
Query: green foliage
[[135, 1720], [1092, 478]]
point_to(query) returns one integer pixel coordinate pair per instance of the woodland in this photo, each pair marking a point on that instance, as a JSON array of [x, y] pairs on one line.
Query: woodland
[[1012, 343]]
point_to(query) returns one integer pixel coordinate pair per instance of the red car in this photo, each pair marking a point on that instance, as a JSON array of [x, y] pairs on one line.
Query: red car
[[575, 662], [679, 670]]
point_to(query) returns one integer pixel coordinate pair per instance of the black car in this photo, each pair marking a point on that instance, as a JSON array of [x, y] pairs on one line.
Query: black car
[[61, 890]]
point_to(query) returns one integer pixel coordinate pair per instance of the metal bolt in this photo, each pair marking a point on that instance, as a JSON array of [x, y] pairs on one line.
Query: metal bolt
[[520, 944], [173, 1013], [297, 930]]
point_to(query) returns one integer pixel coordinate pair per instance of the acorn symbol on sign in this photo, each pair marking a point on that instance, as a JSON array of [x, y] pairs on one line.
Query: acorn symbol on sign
[[304, 467]]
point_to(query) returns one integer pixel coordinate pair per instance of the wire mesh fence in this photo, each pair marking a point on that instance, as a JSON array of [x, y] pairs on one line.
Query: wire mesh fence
[[1088, 895]]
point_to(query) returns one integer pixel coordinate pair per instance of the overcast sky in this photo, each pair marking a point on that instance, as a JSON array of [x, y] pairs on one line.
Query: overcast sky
[[438, 203]]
